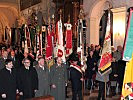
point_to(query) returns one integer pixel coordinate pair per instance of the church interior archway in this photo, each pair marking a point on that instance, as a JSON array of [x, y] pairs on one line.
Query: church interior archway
[[9, 14]]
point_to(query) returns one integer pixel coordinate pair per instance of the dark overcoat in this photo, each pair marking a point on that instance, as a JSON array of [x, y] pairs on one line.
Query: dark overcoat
[[8, 84], [58, 75], [43, 81], [75, 77], [27, 81]]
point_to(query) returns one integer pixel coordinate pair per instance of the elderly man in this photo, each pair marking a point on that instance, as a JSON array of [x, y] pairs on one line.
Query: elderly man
[[27, 80], [43, 78]]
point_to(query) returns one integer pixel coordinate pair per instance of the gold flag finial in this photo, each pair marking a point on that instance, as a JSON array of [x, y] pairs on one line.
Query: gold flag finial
[[53, 17], [81, 13]]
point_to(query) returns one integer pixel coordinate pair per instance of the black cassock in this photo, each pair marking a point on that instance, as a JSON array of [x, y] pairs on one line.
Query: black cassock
[[8, 84], [27, 82]]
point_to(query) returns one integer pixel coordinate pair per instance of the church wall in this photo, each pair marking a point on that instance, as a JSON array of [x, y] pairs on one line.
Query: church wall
[[94, 10]]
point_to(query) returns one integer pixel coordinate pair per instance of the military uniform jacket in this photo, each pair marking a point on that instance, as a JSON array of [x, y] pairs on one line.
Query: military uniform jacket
[[8, 84], [43, 81], [58, 77], [75, 76]]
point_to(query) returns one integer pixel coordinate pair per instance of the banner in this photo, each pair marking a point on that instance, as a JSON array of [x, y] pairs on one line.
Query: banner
[[49, 47], [106, 54], [127, 89], [60, 46], [84, 36], [27, 39], [128, 43], [68, 39]]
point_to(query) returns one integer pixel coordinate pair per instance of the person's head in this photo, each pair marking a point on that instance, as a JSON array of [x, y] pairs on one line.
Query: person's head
[[59, 60], [31, 51], [119, 48], [25, 54], [4, 54], [41, 61], [91, 53], [8, 63], [39, 56], [75, 59], [12, 53], [9, 49], [97, 47], [26, 62]]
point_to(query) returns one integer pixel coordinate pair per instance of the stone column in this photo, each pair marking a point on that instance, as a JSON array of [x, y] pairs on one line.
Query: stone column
[[93, 31], [119, 26]]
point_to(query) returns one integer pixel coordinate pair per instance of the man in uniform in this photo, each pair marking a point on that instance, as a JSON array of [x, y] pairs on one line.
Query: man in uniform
[[76, 78], [43, 78], [58, 74]]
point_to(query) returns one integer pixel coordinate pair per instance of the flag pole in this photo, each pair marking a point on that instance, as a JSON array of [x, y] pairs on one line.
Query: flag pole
[[81, 46], [105, 90]]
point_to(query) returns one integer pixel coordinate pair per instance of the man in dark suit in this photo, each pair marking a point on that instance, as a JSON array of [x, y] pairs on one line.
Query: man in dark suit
[[8, 82], [27, 80], [15, 60]]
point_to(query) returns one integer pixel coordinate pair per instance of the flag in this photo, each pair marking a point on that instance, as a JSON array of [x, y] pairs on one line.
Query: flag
[[49, 47], [27, 40], [128, 43], [127, 89], [84, 36], [68, 39], [7, 35], [60, 39], [28, 37], [106, 54], [40, 42], [44, 28], [79, 40], [38, 39]]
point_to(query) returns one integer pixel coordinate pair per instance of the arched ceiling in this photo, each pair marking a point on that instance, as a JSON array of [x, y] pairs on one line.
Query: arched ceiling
[[8, 13]]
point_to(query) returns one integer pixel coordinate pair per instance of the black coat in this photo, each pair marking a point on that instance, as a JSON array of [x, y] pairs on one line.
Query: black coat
[[90, 65], [75, 77], [8, 84], [27, 81], [114, 66]]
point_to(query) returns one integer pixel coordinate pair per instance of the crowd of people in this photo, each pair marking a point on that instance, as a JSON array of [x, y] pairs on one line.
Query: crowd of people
[[26, 76]]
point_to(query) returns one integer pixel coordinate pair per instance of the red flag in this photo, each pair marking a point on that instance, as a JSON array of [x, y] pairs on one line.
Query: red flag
[[68, 39], [49, 47]]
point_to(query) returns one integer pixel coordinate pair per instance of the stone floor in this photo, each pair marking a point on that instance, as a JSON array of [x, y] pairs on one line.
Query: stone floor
[[92, 96]]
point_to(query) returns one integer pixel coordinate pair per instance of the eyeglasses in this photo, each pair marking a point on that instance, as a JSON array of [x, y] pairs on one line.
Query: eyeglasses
[[26, 62]]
